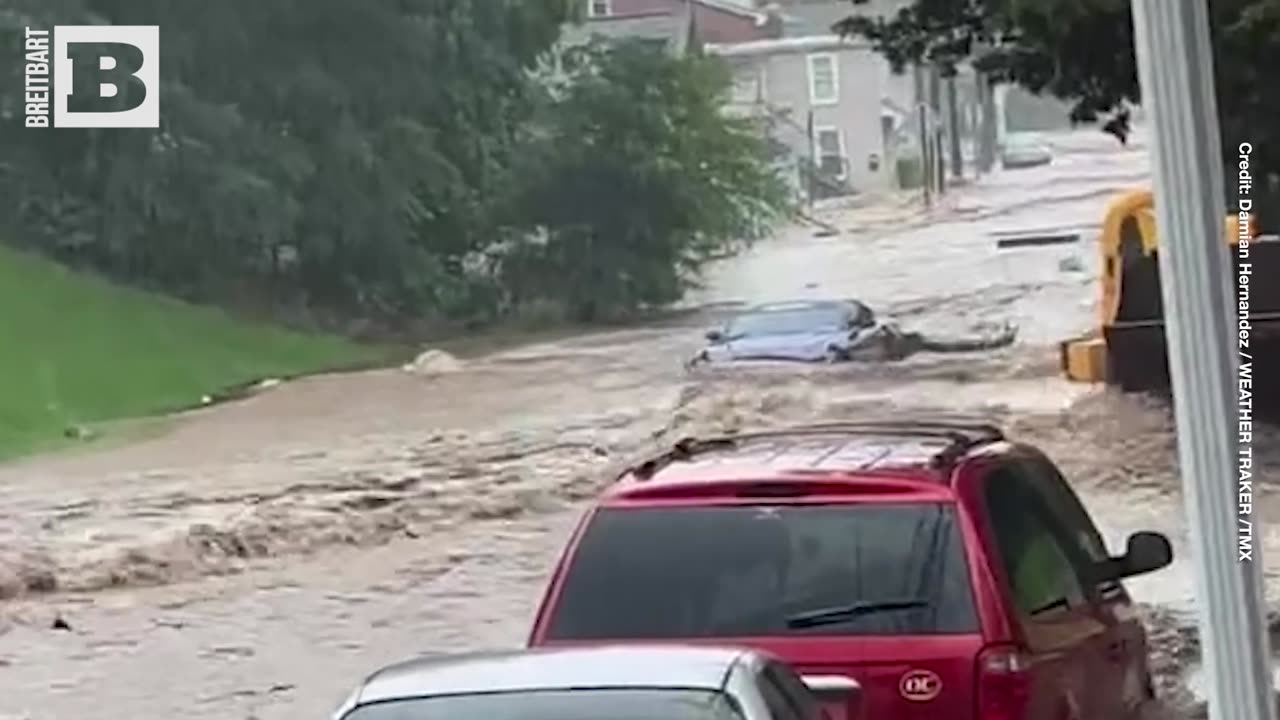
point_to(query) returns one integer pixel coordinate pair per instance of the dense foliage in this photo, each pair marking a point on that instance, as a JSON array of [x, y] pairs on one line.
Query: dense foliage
[[637, 171], [1082, 50], [385, 160]]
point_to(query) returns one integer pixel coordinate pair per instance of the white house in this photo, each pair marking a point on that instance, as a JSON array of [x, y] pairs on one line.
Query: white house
[[827, 98]]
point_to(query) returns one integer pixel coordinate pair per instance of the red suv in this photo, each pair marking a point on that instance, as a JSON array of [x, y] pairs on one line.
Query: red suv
[[949, 572]]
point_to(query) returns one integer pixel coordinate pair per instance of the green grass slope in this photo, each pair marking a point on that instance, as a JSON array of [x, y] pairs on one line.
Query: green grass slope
[[78, 351]]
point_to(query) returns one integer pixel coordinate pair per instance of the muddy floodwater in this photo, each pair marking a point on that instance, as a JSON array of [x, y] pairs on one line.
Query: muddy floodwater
[[259, 558]]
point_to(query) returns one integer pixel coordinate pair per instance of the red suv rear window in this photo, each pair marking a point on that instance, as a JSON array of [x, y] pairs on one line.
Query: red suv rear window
[[741, 571]]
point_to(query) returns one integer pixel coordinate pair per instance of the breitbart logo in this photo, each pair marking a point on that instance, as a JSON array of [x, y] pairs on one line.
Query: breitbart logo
[[92, 76]]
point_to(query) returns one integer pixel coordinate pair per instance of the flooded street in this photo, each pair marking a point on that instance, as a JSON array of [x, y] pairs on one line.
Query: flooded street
[[260, 557]]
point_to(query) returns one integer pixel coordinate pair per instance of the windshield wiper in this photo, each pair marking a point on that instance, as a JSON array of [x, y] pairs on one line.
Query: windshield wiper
[[1054, 605], [840, 613]]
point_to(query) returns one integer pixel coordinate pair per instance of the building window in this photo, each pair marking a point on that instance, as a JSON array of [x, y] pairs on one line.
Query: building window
[[829, 152], [599, 8], [824, 79]]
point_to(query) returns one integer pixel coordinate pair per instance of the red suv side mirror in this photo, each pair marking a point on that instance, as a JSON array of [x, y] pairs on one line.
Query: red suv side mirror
[[1144, 552]]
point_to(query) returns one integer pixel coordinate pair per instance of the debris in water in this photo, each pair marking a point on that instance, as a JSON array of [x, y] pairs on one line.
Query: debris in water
[[60, 624], [433, 362], [1034, 240], [78, 432], [824, 230], [23, 572]]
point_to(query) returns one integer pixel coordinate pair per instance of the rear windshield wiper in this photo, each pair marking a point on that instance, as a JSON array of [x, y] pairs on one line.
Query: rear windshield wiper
[[840, 613], [1054, 605]]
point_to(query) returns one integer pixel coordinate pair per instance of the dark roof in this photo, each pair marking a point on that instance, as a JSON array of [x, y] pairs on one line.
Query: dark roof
[[732, 8], [674, 25], [817, 17], [667, 27]]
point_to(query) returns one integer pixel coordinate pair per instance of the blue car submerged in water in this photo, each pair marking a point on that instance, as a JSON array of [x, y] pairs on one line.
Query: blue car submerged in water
[[803, 331], [826, 331]]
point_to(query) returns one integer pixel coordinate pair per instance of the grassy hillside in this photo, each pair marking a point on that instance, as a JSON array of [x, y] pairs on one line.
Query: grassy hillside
[[77, 351]]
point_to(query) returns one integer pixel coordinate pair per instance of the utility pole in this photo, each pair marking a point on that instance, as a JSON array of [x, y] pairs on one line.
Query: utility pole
[[1000, 95], [917, 82], [987, 126], [1175, 64], [935, 129], [922, 120], [927, 159], [953, 130], [813, 159]]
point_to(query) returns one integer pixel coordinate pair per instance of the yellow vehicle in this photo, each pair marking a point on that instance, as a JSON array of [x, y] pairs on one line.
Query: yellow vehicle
[[1127, 349]]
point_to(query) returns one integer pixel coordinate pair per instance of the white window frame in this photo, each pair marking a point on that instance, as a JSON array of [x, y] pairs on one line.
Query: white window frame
[[810, 62], [591, 8], [818, 154]]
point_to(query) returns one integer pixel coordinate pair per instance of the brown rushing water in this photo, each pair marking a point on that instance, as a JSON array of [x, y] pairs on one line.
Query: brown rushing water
[[261, 557]]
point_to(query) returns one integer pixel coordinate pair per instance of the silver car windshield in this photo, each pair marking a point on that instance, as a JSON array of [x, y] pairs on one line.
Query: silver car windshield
[[786, 322], [602, 704]]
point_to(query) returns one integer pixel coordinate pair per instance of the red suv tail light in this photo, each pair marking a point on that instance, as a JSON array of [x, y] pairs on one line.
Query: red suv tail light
[[1004, 683]]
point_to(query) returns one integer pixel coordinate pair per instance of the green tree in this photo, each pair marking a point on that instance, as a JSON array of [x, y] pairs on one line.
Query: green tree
[[1082, 50], [633, 179], [389, 161], [320, 153]]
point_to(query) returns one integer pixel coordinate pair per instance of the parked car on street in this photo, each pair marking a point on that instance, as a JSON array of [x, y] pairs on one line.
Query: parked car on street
[[951, 572], [593, 683], [1023, 151]]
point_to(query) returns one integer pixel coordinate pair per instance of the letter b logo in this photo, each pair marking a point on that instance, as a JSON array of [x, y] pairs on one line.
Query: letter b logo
[[106, 76]]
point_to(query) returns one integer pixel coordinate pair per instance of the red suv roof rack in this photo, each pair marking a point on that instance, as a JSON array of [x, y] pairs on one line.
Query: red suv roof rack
[[962, 436]]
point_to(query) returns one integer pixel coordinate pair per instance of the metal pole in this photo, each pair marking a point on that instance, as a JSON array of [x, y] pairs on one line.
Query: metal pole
[[926, 154], [977, 124], [917, 82], [953, 129], [926, 166], [813, 159], [1000, 98], [986, 124], [935, 129], [1176, 71]]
